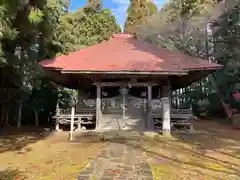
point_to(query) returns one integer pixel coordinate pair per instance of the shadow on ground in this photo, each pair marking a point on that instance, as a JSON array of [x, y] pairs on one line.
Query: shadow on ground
[[13, 139], [212, 154], [11, 175]]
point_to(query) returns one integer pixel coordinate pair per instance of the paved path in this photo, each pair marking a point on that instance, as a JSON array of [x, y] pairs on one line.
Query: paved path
[[119, 161]]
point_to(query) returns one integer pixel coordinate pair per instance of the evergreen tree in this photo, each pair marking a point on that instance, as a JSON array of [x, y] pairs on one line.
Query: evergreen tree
[[83, 28], [95, 4], [26, 30], [183, 25], [34, 30], [226, 39], [138, 13]]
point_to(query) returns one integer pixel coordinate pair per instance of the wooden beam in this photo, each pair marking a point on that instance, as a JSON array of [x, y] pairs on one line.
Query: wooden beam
[[180, 72], [70, 115], [109, 84], [120, 77]]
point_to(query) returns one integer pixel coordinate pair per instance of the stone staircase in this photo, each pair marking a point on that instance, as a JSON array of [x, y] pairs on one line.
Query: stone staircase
[[111, 121], [115, 121], [134, 115]]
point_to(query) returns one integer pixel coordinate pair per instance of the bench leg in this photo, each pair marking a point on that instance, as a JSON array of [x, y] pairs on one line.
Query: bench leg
[[191, 128], [79, 123], [57, 125]]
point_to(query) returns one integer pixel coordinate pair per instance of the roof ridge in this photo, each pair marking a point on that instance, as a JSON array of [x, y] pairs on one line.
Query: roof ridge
[[124, 35]]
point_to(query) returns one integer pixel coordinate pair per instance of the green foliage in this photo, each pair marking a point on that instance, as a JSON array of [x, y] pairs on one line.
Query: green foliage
[[53, 11], [34, 30], [26, 29], [39, 94], [95, 4], [65, 97], [183, 25], [215, 105], [84, 28], [138, 14], [36, 16], [152, 8], [227, 51], [179, 25]]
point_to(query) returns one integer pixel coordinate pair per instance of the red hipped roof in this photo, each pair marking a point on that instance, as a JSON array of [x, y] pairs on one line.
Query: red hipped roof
[[123, 52]]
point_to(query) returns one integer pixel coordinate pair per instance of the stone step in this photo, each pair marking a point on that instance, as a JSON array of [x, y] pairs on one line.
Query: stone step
[[116, 122]]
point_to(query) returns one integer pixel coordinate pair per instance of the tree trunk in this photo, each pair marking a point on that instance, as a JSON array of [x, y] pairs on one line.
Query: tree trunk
[[7, 115], [36, 113], [19, 115], [2, 116]]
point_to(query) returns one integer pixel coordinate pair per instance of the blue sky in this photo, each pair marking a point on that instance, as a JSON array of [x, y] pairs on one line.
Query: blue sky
[[118, 7]]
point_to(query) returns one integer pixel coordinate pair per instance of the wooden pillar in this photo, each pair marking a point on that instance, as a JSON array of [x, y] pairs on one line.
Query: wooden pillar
[[123, 92], [98, 106], [166, 108], [123, 106], [57, 117], [144, 104], [149, 108], [72, 124]]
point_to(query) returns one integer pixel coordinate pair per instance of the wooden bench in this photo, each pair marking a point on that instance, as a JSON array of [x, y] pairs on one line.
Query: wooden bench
[[186, 124], [79, 119], [179, 118]]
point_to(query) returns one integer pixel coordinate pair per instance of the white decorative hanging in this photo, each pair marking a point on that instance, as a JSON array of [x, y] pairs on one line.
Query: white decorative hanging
[[104, 94]]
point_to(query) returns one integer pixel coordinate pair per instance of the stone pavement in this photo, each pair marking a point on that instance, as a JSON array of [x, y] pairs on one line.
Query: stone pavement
[[121, 160]]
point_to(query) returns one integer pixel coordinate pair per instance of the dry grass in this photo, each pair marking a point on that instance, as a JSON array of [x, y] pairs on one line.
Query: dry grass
[[29, 155], [212, 155]]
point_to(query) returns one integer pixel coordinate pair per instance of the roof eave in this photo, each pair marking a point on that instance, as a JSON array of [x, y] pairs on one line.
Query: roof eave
[[52, 68], [204, 68], [180, 72]]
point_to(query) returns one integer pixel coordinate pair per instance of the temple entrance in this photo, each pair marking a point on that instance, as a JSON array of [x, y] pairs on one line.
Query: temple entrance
[[111, 109], [121, 107], [116, 115], [124, 111], [135, 113]]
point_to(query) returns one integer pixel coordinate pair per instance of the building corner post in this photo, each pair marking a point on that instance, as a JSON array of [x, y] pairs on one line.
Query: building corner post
[[150, 124], [57, 117], [123, 92], [166, 109], [98, 106], [72, 123]]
